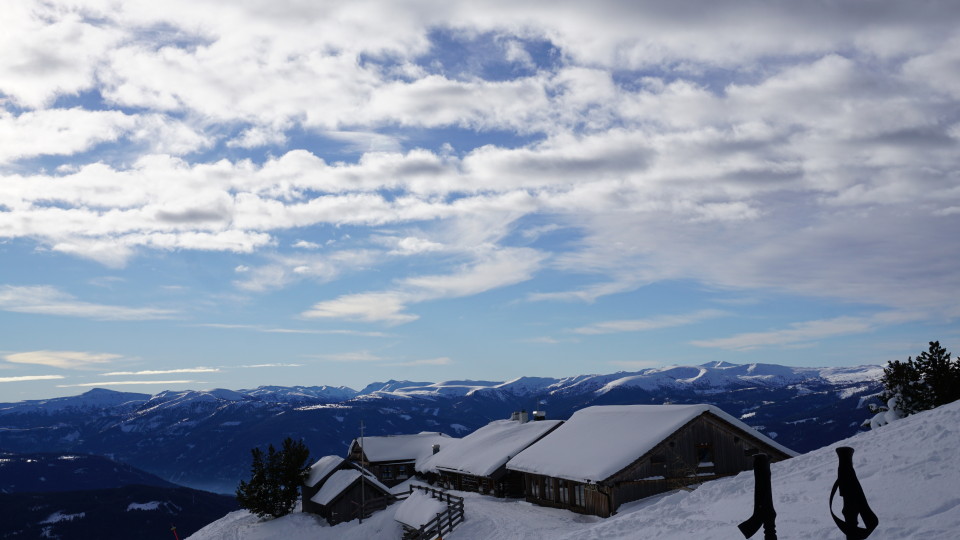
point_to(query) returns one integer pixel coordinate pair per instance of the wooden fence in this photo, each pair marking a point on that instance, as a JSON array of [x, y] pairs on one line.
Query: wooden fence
[[443, 523]]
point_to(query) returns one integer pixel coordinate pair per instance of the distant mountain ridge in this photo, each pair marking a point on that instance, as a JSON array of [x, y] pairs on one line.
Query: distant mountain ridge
[[202, 438]]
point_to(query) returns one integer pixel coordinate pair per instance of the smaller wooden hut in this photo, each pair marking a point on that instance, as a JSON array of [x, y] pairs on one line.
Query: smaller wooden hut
[[348, 494], [605, 456], [478, 461], [319, 473]]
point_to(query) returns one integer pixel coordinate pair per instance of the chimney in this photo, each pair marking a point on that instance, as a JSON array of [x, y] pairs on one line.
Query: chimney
[[524, 417], [436, 448], [539, 415], [515, 416]]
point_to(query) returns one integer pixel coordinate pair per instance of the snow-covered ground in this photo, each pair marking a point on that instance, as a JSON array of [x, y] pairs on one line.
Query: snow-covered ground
[[909, 472]]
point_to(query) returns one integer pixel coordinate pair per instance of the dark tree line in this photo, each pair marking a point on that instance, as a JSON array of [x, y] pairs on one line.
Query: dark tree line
[[275, 479], [930, 380]]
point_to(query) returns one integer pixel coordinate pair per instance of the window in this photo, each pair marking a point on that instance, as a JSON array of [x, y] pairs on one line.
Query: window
[[578, 495], [705, 455], [548, 489], [535, 487], [564, 492], [658, 465], [386, 472]]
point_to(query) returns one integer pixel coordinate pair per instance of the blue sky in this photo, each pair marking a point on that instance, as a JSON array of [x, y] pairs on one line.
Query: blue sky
[[206, 194]]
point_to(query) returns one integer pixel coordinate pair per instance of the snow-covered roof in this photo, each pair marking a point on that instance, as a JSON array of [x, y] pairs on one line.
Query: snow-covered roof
[[323, 467], [418, 509], [403, 447], [338, 482], [488, 448], [574, 451]]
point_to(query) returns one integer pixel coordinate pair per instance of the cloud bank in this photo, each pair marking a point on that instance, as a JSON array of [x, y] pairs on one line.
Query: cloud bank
[[808, 149]]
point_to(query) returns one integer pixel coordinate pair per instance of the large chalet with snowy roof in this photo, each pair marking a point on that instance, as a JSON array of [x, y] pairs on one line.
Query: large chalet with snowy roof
[[393, 458], [605, 456], [478, 461]]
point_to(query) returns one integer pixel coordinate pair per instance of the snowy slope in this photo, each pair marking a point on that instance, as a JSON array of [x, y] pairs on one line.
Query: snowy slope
[[907, 469]]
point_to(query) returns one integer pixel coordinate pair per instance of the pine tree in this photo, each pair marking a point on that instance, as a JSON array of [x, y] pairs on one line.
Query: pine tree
[[940, 374], [931, 380], [275, 479]]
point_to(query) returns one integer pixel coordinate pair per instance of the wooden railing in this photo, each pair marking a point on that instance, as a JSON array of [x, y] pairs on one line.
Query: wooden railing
[[443, 523]]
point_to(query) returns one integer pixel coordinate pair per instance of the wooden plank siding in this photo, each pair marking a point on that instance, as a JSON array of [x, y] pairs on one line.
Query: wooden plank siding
[[389, 473], [346, 506], [502, 483], [705, 448], [560, 493]]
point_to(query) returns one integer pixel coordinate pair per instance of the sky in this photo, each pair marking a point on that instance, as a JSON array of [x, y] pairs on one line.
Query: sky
[[206, 194]]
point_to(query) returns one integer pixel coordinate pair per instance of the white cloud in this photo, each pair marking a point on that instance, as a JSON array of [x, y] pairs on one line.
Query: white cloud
[[349, 357], [127, 383], [47, 300], [257, 136], [388, 307], [550, 340], [35, 67], [442, 361], [62, 359], [286, 269], [500, 268], [490, 270], [412, 245], [796, 147], [58, 131], [514, 51], [653, 323], [161, 372], [797, 333], [273, 365], [25, 378], [304, 244], [272, 330]]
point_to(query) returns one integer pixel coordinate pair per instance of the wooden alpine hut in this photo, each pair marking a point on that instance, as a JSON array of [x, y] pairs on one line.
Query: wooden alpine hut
[[478, 461], [392, 458], [337, 490], [605, 456]]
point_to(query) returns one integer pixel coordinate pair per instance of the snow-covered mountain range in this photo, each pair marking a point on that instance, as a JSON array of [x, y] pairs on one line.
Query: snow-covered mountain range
[[202, 438]]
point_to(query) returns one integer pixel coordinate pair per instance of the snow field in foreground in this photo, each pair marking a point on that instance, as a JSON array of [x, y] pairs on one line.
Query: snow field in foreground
[[908, 469]]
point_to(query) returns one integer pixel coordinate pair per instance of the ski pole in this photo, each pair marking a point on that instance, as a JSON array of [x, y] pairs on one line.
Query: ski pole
[[854, 501], [763, 513]]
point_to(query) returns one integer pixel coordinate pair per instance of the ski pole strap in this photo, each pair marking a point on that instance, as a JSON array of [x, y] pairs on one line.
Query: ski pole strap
[[763, 513], [854, 500]]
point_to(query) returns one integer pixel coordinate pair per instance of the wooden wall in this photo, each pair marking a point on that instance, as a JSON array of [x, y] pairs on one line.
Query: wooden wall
[[547, 491], [502, 483], [346, 507]]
